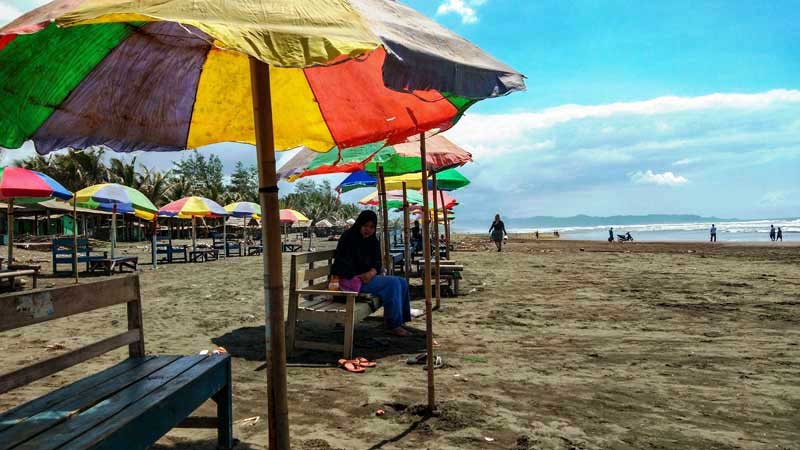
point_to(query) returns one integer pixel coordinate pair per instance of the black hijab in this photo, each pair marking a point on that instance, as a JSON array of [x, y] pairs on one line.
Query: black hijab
[[354, 254]]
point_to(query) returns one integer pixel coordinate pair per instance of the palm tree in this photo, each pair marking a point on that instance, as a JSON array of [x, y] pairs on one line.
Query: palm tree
[[124, 172], [155, 185]]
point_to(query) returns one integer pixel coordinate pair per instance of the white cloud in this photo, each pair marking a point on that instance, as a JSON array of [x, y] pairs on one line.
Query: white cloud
[[464, 8], [8, 13], [661, 179], [685, 161]]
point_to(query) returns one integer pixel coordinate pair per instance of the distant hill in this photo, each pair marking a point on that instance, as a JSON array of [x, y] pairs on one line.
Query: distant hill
[[593, 221]]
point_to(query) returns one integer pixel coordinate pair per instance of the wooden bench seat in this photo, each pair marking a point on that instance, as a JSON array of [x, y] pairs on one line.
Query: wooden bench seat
[[127, 406], [315, 303], [63, 251], [11, 276], [109, 265], [168, 253]]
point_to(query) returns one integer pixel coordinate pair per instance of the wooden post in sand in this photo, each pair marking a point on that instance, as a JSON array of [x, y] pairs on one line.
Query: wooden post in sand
[[75, 238], [446, 220], [426, 276], [406, 234], [437, 251], [387, 256], [277, 397], [10, 236]]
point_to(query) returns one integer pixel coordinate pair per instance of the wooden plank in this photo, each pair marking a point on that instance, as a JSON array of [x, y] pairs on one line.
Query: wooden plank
[[330, 317], [46, 419], [136, 349], [198, 422], [142, 423], [332, 307], [314, 302], [30, 307], [86, 420], [78, 388], [305, 258], [349, 316], [50, 366], [311, 345], [17, 273], [324, 292], [313, 274]]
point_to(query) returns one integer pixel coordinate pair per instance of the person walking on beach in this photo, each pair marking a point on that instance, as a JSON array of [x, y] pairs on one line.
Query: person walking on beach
[[772, 233], [611, 234], [779, 236], [497, 232], [713, 233]]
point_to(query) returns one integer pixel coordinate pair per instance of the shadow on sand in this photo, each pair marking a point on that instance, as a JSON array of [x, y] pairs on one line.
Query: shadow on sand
[[371, 341]]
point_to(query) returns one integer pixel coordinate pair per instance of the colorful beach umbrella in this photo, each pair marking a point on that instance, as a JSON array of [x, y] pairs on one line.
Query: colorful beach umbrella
[[23, 185], [356, 180], [443, 199], [115, 198], [448, 180], [246, 210], [395, 159], [292, 216], [192, 208], [169, 75], [394, 199]]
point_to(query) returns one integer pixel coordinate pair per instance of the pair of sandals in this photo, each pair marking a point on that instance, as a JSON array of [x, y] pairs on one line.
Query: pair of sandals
[[357, 365]]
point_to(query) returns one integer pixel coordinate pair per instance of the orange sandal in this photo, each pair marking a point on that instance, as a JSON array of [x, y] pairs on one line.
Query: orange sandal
[[364, 362], [351, 366]]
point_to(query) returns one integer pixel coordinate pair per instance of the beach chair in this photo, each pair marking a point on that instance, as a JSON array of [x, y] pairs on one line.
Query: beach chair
[[129, 405], [228, 244], [315, 303], [63, 251], [171, 253]]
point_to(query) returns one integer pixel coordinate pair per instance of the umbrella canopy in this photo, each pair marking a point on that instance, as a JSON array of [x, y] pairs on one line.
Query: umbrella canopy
[[69, 61], [105, 196], [448, 180], [244, 209], [443, 200], [395, 159], [394, 199], [19, 183], [189, 207], [356, 180], [292, 216], [324, 223]]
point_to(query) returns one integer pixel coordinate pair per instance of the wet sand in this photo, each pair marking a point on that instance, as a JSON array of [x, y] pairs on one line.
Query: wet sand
[[552, 345]]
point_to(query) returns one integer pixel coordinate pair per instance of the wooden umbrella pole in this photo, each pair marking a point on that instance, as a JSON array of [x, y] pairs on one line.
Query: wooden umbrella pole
[[387, 257], [278, 407], [75, 239], [437, 251], [10, 242], [446, 219], [194, 233], [426, 278], [154, 245], [113, 230], [406, 236]]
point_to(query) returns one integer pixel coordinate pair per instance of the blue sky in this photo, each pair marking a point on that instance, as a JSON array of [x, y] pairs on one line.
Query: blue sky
[[632, 107]]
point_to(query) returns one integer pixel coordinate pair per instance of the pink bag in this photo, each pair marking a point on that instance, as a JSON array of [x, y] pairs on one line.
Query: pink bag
[[351, 285]]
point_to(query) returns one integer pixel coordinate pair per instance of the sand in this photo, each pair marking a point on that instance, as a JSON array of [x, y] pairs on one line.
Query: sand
[[553, 345]]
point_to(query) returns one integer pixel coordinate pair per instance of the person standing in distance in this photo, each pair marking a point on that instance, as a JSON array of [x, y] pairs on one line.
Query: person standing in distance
[[713, 233], [497, 231]]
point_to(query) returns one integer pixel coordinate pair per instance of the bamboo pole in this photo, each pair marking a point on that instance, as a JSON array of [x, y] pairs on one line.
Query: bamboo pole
[[224, 238], [437, 251], [387, 256], [10, 232], [426, 251], [113, 230], [406, 234], [278, 408], [194, 233], [75, 239]]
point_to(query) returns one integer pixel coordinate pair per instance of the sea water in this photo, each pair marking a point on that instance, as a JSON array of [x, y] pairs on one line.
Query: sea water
[[744, 231]]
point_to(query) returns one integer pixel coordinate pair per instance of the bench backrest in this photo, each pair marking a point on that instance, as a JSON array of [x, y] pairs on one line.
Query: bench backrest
[[21, 309], [66, 245], [311, 270]]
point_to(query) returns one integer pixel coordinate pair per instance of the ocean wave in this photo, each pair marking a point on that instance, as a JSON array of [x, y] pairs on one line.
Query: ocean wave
[[753, 226]]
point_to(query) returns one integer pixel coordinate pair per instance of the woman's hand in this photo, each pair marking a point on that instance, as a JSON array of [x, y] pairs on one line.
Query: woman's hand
[[366, 277]]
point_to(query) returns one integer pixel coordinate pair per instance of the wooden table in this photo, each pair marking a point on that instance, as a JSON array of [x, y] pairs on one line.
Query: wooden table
[[108, 265], [10, 275]]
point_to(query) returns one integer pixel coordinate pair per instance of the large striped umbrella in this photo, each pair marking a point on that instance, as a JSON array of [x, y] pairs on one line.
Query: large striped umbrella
[[292, 216], [116, 198], [448, 180], [356, 180], [192, 208], [394, 199], [395, 159], [26, 185], [175, 74], [244, 210]]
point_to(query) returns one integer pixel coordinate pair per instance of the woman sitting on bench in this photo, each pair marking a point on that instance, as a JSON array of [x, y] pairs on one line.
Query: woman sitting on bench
[[358, 267]]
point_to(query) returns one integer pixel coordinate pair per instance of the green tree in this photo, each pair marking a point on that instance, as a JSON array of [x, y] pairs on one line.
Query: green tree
[[318, 201], [243, 186]]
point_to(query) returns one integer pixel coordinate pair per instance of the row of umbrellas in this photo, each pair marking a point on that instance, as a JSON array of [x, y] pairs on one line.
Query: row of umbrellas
[[154, 76]]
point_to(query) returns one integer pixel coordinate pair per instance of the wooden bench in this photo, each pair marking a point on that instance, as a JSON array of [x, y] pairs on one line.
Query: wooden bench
[[315, 303], [63, 250], [292, 247], [108, 265], [228, 245], [11, 275], [129, 405], [203, 255], [171, 253], [449, 271]]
